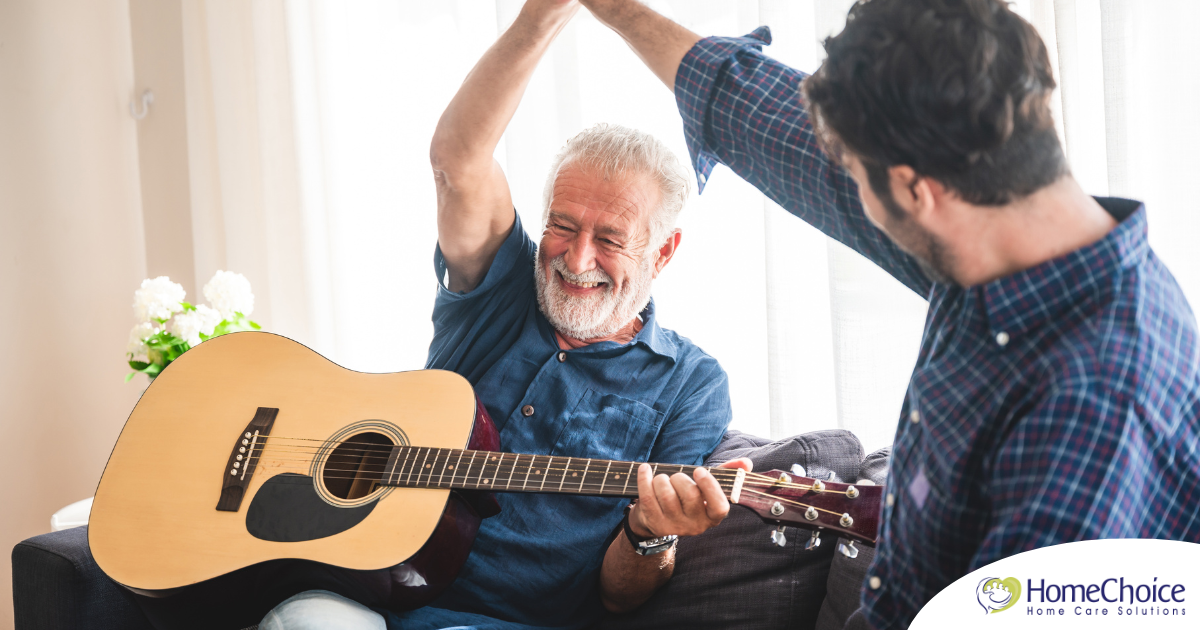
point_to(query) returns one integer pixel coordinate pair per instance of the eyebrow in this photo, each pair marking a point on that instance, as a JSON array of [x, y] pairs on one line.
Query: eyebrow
[[602, 230], [557, 216]]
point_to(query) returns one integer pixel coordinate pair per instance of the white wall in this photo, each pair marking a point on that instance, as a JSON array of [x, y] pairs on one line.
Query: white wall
[[71, 253]]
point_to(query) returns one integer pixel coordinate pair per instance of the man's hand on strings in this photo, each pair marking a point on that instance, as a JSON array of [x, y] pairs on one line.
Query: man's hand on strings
[[679, 504]]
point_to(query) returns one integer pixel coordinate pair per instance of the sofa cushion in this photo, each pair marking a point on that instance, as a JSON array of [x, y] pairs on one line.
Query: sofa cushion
[[733, 576], [57, 586], [846, 575]]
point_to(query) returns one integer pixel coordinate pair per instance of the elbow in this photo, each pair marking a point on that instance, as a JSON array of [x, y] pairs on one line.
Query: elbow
[[438, 156], [442, 167], [451, 167]]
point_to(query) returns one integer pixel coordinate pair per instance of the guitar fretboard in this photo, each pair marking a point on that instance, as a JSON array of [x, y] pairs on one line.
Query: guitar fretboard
[[421, 467]]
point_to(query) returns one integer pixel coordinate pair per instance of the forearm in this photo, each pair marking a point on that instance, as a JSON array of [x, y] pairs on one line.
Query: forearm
[[680, 504], [658, 41], [627, 580], [474, 121], [474, 204]]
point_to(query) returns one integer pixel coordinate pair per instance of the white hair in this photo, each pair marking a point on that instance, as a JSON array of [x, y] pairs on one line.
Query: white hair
[[614, 150]]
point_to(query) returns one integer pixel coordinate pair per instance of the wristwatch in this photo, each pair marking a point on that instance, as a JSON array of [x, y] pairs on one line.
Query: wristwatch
[[645, 546]]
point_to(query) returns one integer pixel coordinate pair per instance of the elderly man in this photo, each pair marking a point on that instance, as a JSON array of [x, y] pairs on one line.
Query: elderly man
[[561, 342], [1057, 393]]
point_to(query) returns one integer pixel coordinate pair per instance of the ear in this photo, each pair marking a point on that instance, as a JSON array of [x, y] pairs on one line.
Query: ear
[[918, 195], [667, 251]]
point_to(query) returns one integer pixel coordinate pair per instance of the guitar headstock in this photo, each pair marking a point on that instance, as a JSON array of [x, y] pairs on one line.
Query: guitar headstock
[[783, 498]]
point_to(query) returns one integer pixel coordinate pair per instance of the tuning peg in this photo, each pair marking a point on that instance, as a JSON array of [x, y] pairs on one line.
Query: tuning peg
[[848, 549], [778, 538], [798, 470], [814, 541]]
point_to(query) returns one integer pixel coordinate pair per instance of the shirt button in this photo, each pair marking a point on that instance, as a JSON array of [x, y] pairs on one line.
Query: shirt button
[[562, 357], [890, 499], [914, 416], [527, 410], [1002, 338], [875, 583]]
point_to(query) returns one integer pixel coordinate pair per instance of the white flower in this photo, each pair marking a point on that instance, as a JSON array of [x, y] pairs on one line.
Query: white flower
[[189, 325], [137, 341], [229, 293], [158, 299]]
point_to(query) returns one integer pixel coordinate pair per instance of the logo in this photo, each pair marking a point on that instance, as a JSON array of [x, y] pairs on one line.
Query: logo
[[996, 595]]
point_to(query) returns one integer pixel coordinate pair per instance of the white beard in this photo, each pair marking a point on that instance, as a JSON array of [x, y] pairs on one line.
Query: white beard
[[592, 317]]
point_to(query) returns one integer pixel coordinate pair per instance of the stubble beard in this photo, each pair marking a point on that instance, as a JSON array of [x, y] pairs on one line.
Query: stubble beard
[[594, 317], [931, 254]]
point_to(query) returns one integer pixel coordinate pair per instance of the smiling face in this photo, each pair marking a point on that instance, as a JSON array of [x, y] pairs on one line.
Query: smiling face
[[595, 263]]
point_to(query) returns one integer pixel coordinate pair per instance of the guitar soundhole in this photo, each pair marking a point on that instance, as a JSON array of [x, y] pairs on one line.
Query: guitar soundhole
[[354, 468]]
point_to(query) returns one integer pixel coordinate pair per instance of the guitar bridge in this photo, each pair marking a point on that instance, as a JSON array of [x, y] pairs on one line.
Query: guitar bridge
[[243, 459]]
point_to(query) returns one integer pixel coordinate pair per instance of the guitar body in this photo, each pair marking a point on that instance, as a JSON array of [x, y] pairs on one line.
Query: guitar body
[[253, 469], [200, 517]]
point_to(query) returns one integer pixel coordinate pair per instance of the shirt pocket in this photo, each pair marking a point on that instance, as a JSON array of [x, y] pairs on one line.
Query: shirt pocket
[[608, 426]]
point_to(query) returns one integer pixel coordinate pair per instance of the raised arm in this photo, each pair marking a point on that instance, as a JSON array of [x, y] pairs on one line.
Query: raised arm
[[658, 41], [475, 209], [744, 109]]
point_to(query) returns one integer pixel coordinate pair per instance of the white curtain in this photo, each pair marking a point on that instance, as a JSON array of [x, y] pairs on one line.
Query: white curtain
[[311, 142]]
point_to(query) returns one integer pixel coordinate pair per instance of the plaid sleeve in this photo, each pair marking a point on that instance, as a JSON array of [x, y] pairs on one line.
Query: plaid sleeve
[[743, 109]]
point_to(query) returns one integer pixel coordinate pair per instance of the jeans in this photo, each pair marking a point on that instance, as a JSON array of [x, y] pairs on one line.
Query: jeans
[[315, 610], [323, 610]]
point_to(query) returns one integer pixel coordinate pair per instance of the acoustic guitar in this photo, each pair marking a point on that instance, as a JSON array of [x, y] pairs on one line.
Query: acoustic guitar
[[252, 450]]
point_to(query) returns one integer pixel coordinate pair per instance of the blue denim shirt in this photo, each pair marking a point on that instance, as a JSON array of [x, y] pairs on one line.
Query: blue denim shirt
[[658, 398]]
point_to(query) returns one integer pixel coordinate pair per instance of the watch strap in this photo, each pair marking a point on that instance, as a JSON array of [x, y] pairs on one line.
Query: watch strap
[[642, 545]]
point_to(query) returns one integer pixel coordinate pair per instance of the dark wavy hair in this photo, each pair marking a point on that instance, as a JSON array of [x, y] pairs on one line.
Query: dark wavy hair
[[958, 90]]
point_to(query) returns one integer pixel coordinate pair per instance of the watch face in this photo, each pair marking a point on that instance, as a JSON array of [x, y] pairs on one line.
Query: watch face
[[655, 545]]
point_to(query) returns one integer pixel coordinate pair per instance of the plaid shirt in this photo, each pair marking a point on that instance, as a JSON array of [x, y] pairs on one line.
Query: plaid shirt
[[1056, 404]]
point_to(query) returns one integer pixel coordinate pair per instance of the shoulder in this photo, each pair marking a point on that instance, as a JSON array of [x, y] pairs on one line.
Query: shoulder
[[692, 361], [695, 402], [1138, 347], [698, 379], [510, 269]]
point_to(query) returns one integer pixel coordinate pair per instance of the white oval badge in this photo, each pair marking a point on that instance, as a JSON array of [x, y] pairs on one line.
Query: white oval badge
[[1119, 583]]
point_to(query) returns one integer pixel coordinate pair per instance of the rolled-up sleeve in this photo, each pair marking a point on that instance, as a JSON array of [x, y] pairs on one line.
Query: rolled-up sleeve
[[743, 109]]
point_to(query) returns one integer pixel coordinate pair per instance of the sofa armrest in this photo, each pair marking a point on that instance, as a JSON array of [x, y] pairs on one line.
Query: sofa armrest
[[57, 586]]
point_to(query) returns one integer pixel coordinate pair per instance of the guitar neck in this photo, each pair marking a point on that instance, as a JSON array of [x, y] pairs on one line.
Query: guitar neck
[[421, 467]]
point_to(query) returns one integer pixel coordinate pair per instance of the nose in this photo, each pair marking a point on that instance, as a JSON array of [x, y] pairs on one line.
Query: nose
[[581, 254]]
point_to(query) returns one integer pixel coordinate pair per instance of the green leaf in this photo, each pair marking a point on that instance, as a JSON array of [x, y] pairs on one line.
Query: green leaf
[[255, 326], [138, 365], [187, 307], [130, 376]]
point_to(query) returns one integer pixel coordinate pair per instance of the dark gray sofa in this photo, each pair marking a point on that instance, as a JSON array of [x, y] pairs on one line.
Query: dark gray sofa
[[732, 576]]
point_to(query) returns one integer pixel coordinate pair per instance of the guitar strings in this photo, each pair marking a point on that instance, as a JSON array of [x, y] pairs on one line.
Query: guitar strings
[[373, 448], [377, 448], [556, 484], [444, 455], [435, 466], [593, 487], [499, 468], [379, 453], [376, 452], [444, 458], [429, 468], [499, 473]]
